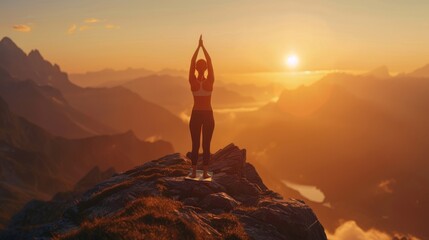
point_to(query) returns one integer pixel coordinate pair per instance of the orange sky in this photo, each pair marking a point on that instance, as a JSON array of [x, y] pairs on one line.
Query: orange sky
[[242, 36]]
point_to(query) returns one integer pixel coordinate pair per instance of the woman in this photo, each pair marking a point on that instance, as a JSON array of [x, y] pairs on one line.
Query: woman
[[202, 114]]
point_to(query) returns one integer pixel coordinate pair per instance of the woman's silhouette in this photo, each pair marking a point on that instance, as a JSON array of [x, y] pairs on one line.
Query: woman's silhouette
[[202, 114]]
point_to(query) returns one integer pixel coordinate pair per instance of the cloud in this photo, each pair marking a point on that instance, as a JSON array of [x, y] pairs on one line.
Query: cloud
[[111, 26], [72, 29], [21, 28], [92, 20], [90, 24], [351, 231]]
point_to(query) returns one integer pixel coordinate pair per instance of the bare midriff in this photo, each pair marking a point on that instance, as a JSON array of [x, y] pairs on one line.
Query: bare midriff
[[202, 103]]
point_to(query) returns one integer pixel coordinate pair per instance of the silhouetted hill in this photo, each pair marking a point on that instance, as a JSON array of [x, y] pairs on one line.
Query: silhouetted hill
[[403, 96], [32, 66], [362, 140], [36, 164], [421, 72], [153, 201], [173, 72], [117, 108], [380, 72], [46, 107], [262, 93], [166, 90], [108, 77], [124, 110]]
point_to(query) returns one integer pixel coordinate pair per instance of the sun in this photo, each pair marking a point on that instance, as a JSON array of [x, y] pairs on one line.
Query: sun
[[292, 61]]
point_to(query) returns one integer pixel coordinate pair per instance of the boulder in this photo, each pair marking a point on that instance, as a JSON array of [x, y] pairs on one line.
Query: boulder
[[220, 201]]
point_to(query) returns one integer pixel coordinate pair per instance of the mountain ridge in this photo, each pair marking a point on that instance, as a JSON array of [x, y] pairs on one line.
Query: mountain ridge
[[37, 164], [170, 88], [104, 105], [46, 106], [380, 72], [32, 66], [362, 125], [420, 72]]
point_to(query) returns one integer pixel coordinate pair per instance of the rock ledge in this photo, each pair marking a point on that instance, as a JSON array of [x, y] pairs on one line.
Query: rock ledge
[[154, 201]]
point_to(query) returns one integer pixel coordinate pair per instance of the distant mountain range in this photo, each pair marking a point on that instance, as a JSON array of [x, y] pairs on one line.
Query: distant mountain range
[[109, 77], [421, 72], [46, 106], [167, 86], [32, 66], [361, 139], [173, 92], [380, 72], [36, 164], [89, 111]]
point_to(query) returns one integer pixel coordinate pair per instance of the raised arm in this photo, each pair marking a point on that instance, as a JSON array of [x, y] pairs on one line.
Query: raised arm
[[192, 68], [210, 72]]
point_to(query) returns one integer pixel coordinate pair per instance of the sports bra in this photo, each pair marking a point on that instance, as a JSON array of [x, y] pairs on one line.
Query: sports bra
[[201, 91]]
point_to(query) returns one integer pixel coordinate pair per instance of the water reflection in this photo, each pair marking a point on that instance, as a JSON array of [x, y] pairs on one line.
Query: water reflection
[[311, 193]]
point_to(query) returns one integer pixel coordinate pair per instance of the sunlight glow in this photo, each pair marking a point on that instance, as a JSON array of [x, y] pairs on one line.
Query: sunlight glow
[[292, 61]]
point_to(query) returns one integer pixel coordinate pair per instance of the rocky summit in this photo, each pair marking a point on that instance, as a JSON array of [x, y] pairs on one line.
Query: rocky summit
[[154, 201]]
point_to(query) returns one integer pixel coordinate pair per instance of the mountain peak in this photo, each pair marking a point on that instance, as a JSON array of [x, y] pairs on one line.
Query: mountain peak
[[421, 72], [6, 41], [380, 72], [35, 54], [9, 48], [32, 66], [154, 199]]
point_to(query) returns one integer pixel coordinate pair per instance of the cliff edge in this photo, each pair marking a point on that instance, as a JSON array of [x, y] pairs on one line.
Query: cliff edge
[[153, 201]]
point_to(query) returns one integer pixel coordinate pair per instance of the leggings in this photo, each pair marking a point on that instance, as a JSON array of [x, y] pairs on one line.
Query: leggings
[[201, 119]]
